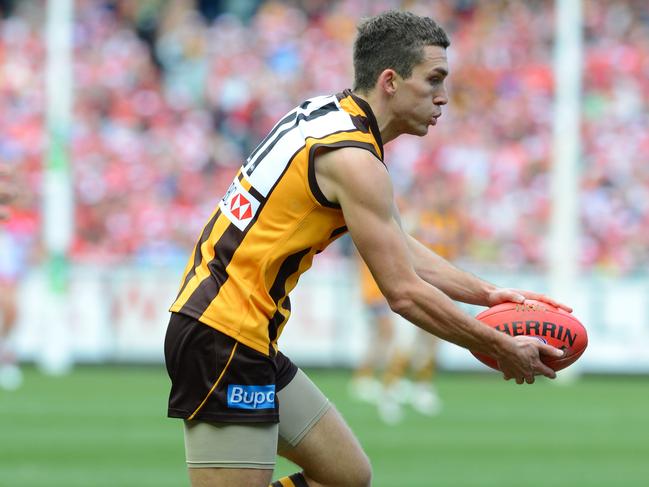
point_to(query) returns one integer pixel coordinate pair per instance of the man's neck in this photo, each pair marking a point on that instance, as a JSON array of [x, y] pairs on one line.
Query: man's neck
[[383, 117]]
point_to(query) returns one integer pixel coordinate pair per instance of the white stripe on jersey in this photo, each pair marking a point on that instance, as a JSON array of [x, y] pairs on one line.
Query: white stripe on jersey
[[271, 168], [279, 127]]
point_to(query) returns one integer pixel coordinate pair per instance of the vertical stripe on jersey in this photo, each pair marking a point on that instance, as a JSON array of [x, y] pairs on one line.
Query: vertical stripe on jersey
[[197, 256], [201, 272], [206, 291], [289, 267], [223, 251], [191, 272]]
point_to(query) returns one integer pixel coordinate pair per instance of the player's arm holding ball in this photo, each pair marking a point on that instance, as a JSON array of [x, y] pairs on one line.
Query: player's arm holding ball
[[465, 287], [359, 182]]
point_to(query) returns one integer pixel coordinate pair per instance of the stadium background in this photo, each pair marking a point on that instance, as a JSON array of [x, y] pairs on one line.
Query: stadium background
[[169, 97]]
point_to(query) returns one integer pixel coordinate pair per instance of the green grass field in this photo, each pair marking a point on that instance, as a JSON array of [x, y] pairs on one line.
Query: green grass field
[[106, 427]]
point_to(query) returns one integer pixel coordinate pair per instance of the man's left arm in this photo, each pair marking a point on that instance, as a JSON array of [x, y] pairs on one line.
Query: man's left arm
[[464, 286]]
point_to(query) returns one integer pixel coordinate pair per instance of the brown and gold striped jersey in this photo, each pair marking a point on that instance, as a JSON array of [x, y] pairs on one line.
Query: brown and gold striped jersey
[[271, 222]]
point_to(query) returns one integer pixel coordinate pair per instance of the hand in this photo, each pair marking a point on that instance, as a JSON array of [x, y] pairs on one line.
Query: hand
[[522, 361], [507, 295]]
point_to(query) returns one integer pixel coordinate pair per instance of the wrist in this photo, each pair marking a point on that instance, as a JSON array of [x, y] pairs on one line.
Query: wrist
[[487, 292], [500, 344]]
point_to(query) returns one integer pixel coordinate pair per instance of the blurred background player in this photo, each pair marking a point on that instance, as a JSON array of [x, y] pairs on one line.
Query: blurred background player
[[366, 383], [401, 361], [434, 219], [10, 375], [19, 225], [6, 193]]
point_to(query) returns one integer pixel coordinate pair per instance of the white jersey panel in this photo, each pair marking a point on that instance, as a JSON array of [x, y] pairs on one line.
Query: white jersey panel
[[271, 168], [317, 128], [274, 162], [280, 127]]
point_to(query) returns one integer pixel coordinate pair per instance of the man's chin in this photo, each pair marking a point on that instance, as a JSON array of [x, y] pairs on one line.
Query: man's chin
[[420, 131]]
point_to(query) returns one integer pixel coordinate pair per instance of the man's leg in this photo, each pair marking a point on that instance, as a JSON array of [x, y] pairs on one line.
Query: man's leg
[[229, 477], [364, 384], [10, 375], [314, 436], [230, 455]]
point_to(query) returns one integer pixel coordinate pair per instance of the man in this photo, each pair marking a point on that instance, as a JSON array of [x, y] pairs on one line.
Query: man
[[366, 384], [10, 374], [318, 174], [6, 192]]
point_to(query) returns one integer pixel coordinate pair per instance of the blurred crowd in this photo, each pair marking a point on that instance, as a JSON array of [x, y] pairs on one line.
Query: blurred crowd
[[171, 95]]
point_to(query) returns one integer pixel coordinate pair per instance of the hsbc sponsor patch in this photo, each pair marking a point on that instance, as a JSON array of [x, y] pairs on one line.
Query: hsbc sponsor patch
[[239, 205]]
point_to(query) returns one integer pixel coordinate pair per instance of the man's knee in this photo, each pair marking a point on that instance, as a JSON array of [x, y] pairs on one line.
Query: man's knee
[[363, 474], [358, 475], [225, 477]]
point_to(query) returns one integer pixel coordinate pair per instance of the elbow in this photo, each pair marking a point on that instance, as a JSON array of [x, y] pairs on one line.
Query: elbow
[[400, 301]]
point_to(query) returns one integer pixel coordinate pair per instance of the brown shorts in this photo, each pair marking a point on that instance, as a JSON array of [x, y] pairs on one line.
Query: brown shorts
[[254, 445], [216, 378]]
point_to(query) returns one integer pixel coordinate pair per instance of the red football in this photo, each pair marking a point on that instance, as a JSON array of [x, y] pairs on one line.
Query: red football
[[553, 326]]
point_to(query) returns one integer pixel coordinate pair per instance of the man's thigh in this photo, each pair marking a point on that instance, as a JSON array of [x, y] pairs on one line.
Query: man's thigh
[[227, 454], [315, 436], [301, 405], [226, 477]]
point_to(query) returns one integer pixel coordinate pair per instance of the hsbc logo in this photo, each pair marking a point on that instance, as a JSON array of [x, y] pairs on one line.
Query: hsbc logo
[[239, 205]]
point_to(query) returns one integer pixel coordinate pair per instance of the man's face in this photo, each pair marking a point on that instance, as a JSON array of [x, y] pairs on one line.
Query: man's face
[[418, 100]]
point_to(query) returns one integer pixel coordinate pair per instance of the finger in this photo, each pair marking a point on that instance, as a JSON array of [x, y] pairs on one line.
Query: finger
[[520, 380], [545, 349], [555, 303], [516, 298], [543, 369], [508, 296], [564, 307], [546, 299], [529, 379]]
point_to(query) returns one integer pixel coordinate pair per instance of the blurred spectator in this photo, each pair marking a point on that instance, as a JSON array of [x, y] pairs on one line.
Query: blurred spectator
[[19, 251], [171, 95]]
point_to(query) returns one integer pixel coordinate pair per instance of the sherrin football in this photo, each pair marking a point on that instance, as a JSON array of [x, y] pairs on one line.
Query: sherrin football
[[551, 325]]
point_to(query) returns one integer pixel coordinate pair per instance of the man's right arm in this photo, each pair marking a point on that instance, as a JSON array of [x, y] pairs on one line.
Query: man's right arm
[[356, 180]]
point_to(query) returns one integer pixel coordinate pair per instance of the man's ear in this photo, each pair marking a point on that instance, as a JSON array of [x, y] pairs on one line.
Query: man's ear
[[388, 81]]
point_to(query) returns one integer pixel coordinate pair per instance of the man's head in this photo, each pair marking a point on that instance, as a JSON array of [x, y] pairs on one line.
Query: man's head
[[393, 40], [401, 66]]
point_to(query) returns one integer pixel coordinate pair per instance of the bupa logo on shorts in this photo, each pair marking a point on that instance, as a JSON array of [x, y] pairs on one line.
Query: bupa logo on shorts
[[251, 397]]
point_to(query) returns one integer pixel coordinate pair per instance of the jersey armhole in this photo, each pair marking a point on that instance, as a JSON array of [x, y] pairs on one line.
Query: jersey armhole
[[313, 183]]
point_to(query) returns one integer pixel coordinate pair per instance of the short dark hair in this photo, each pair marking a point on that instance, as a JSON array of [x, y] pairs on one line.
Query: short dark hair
[[395, 40]]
